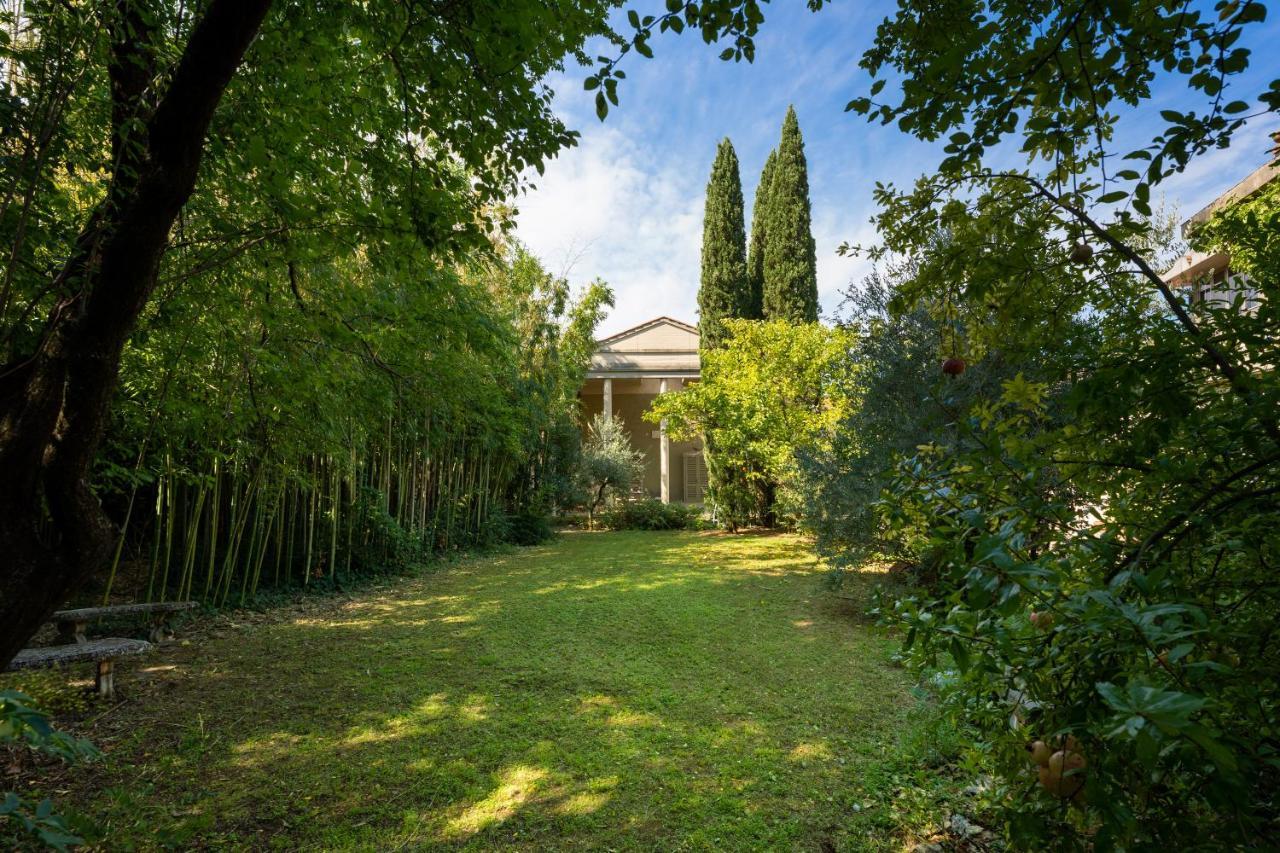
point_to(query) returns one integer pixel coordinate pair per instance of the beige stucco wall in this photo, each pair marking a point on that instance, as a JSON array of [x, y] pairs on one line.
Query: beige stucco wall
[[656, 337], [630, 406], [661, 347], [637, 362]]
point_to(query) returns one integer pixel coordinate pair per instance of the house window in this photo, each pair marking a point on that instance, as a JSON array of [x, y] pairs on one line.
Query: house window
[[695, 477]]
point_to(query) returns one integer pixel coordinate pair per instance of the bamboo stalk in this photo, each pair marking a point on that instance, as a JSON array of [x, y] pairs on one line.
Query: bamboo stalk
[[212, 543], [192, 536], [155, 551], [311, 530], [333, 518]]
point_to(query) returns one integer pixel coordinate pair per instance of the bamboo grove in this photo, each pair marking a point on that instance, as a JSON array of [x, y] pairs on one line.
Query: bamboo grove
[[340, 364], [266, 441]]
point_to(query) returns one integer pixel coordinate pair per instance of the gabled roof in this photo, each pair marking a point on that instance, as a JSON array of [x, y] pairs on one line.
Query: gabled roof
[[661, 347], [612, 342], [1252, 183]]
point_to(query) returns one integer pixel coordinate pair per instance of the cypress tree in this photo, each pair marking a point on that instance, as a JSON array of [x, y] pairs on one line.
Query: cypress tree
[[724, 291], [790, 265], [755, 254]]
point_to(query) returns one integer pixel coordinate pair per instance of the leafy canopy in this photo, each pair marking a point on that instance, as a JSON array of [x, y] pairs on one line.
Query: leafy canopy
[[775, 389]]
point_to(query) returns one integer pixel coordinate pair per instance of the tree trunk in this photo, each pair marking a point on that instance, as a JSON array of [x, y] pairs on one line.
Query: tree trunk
[[54, 403]]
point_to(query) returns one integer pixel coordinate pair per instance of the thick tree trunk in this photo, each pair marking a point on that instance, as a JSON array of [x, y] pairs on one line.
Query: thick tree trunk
[[54, 403]]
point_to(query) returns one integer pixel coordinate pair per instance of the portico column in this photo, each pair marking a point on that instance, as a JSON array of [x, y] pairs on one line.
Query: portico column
[[608, 398], [664, 453]]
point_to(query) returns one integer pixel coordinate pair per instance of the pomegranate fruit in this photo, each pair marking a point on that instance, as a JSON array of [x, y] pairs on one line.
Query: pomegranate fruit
[[1081, 253], [1063, 776]]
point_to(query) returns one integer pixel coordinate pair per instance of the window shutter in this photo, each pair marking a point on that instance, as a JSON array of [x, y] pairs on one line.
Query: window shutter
[[695, 477]]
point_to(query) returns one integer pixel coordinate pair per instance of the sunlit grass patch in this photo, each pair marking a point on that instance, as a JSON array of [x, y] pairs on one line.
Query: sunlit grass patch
[[517, 785], [628, 691]]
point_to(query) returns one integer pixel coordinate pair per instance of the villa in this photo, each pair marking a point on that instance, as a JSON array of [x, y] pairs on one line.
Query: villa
[[628, 370], [1209, 275]]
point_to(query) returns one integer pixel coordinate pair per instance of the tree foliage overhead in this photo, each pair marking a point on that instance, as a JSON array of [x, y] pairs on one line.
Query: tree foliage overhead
[[724, 292], [789, 284], [157, 149], [1100, 537]]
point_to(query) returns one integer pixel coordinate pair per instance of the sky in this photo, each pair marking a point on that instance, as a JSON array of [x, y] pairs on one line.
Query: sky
[[625, 205]]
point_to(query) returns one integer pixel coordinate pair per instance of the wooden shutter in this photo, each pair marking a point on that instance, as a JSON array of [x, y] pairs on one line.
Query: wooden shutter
[[695, 477]]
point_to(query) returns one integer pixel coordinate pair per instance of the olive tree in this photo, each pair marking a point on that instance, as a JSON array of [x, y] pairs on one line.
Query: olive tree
[[609, 465]]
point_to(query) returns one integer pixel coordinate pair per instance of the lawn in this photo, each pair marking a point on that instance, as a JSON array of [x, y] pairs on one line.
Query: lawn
[[621, 691]]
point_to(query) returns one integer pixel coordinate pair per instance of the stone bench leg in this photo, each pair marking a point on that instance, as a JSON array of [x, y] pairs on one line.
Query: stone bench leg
[[105, 680], [160, 630], [73, 632]]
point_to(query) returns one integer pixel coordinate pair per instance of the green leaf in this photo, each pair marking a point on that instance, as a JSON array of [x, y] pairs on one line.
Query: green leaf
[[1171, 710], [1218, 753]]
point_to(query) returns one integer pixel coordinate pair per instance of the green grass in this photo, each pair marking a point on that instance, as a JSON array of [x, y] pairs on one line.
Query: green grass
[[622, 691]]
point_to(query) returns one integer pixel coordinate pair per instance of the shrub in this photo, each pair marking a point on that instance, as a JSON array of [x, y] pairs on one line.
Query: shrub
[[898, 407], [529, 527], [652, 515], [1110, 579], [382, 545], [21, 724]]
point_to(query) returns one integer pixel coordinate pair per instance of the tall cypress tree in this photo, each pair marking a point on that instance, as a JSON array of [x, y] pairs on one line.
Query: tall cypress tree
[[724, 291], [790, 264], [755, 252]]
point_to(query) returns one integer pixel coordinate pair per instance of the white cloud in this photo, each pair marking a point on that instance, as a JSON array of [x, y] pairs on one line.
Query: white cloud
[[1213, 173], [610, 209], [835, 272]]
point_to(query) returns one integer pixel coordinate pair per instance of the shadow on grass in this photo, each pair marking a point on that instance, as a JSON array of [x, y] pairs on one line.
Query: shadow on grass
[[630, 691]]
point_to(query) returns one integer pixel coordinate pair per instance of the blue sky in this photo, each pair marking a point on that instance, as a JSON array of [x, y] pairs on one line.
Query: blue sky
[[626, 204]]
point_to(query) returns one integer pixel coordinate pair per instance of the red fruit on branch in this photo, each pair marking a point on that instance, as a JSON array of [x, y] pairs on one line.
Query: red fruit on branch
[[1081, 253], [953, 366]]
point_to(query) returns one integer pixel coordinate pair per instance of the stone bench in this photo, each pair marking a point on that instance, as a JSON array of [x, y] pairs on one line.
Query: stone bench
[[73, 625], [102, 652]]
